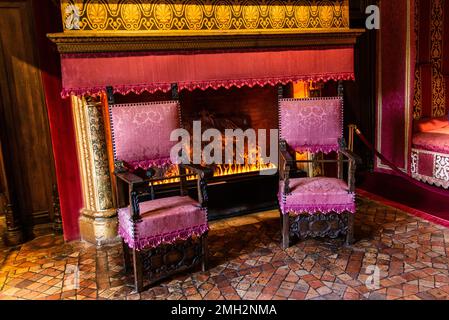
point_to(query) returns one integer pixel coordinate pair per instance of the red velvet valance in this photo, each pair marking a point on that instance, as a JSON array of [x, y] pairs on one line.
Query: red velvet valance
[[138, 72]]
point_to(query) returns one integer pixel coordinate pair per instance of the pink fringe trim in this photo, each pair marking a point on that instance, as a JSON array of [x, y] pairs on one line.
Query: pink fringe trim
[[313, 209], [204, 85], [169, 238]]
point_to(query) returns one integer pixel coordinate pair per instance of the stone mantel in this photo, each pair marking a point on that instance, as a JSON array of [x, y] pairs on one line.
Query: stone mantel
[[90, 42]]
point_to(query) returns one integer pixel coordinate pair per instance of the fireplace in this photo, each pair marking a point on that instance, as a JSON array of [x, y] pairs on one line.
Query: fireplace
[[226, 61]]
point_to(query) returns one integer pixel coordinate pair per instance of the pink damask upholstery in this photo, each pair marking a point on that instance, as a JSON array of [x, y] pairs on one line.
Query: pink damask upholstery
[[141, 132], [321, 194], [314, 124], [163, 221]]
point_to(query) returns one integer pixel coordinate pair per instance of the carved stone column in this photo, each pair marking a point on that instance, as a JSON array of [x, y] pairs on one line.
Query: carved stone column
[[98, 221]]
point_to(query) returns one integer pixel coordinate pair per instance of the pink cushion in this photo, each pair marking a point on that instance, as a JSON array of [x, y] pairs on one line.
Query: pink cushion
[[141, 131], [436, 140], [312, 124], [163, 221], [321, 194]]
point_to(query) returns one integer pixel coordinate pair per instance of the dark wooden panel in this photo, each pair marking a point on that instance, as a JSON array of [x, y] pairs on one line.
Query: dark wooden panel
[[25, 129]]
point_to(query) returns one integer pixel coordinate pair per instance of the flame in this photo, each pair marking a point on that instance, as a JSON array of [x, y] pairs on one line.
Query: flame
[[221, 170]]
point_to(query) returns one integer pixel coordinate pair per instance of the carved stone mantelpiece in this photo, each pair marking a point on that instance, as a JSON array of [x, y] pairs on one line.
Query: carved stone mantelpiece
[[98, 221], [114, 42]]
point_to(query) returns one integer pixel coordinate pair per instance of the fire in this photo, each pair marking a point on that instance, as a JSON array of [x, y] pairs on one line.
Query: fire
[[230, 169], [220, 170]]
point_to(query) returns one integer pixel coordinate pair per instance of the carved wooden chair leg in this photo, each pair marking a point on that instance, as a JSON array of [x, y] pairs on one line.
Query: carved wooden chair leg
[[350, 234], [126, 257], [285, 231], [205, 254], [138, 271]]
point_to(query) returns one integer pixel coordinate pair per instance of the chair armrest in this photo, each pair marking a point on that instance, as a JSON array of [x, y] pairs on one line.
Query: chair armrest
[[351, 156], [204, 173], [354, 160], [286, 163], [129, 177], [287, 157]]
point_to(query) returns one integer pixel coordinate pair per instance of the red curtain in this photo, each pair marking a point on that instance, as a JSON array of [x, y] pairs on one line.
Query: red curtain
[[60, 119], [90, 74]]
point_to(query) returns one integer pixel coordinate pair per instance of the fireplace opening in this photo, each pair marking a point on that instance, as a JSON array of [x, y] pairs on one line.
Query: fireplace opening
[[233, 109]]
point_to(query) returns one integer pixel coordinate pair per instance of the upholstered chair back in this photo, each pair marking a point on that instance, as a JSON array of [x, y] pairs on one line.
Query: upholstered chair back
[[312, 124], [141, 132]]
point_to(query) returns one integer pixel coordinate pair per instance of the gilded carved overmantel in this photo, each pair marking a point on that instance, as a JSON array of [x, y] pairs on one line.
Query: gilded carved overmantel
[[210, 16], [94, 26]]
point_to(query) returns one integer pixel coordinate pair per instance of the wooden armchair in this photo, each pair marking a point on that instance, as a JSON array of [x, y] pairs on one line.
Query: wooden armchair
[[161, 235], [315, 206]]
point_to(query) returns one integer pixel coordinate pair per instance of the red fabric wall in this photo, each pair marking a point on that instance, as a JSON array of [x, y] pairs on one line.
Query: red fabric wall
[[47, 19]]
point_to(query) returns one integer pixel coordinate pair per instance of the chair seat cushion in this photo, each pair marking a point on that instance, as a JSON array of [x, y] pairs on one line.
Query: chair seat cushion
[[162, 221], [312, 195]]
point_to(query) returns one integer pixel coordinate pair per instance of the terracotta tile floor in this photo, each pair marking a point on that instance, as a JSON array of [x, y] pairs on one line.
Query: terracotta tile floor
[[247, 263]]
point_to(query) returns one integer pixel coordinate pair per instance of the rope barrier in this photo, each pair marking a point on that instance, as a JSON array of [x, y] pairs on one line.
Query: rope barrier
[[399, 172]]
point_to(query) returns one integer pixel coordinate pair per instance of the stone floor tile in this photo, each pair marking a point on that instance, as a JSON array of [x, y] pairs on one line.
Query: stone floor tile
[[247, 262]]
